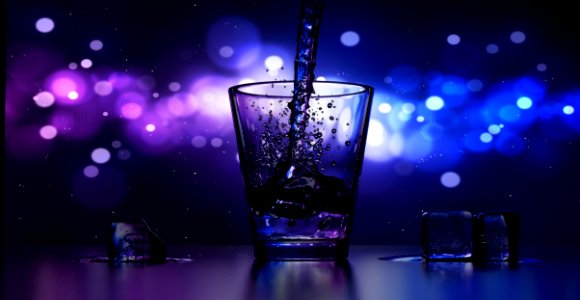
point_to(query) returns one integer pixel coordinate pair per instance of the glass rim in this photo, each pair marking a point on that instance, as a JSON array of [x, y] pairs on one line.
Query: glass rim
[[236, 89]]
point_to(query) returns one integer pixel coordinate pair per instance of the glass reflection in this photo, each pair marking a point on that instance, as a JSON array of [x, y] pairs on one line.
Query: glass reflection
[[301, 280], [449, 268]]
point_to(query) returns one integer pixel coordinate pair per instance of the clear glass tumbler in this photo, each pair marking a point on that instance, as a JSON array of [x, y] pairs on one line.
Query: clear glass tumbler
[[301, 185]]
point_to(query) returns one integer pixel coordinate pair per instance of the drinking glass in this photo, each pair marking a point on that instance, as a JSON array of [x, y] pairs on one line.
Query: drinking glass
[[301, 184]]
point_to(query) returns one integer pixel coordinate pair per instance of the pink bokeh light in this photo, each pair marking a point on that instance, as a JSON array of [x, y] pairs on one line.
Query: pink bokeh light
[[68, 87], [131, 105]]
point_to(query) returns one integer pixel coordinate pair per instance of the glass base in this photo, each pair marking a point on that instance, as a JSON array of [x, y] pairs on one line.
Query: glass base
[[301, 250]]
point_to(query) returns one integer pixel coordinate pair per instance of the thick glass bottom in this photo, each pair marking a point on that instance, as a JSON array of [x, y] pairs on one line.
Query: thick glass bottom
[[301, 250]]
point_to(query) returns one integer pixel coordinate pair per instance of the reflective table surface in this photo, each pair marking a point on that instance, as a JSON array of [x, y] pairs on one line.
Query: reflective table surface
[[230, 272]]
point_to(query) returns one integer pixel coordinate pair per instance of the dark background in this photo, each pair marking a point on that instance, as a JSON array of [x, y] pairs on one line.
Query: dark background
[[194, 195]]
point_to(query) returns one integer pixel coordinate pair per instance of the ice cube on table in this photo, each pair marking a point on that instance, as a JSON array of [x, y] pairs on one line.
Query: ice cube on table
[[496, 236], [131, 240], [447, 235]]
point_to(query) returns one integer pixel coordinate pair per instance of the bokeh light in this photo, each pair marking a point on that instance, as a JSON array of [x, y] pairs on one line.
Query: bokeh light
[[450, 179], [216, 142], [68, 87], [44, 99], [91, 171], [199, 141], [541, 67], [517, 37], [103, 88], [131, 105], [486, 137], [434, 103], [174, 86], [86, 63], [494, 128], [385, 108], [492, 48], [349, 38], [474, 85], [48, 132], [226, 51], [524, 102], [96, 45], [100, 155], [274, 64], [44, 25], [453, 39], [123, 154]]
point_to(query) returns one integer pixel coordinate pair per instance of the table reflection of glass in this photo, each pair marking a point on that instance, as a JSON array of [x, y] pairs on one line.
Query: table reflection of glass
[[301, 280]]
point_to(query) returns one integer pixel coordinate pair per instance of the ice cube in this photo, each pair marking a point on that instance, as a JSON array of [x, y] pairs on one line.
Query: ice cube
[[131, 240], [447, 235], [496, 236], [298, 192]]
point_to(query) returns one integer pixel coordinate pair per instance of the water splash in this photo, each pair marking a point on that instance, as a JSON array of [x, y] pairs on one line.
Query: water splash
[[305, 61]]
